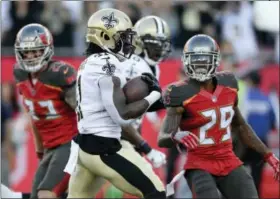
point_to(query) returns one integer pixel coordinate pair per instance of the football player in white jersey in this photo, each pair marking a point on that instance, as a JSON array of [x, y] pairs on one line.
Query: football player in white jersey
[[153, 45], [102, 111]]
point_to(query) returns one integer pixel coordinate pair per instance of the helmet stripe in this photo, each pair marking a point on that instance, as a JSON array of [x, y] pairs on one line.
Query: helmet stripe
[[163, 30], [159, 25], [156, 25]]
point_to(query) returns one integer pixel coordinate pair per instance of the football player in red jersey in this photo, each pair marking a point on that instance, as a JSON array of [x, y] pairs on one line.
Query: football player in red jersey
[[48, 90], [204, 107]]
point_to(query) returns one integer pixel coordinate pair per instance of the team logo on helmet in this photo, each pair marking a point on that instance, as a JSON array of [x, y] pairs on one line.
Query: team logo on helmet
[[109, 68], [110, 21]]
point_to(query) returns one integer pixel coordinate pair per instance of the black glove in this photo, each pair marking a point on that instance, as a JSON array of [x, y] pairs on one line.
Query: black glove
[[151, 81]]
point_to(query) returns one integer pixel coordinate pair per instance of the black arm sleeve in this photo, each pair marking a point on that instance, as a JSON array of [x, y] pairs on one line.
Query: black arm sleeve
[[158, 105]]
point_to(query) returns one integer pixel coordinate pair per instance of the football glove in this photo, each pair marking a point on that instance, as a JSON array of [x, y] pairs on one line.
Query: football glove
[[273, 161], [157, 158], [186, 138], [151, 81]]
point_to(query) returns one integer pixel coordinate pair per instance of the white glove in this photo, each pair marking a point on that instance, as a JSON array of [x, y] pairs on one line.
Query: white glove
[[157, 158]]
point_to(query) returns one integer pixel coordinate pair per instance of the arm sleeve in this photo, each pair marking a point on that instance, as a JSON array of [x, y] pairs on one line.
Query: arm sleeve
[[67, 76], [158, 105], [172, 97], [106, 88]]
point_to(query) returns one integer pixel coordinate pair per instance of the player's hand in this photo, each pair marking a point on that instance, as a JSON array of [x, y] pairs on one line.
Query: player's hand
[[188, 139], [157, 158], [273, 161], [40, 155], [151, 81]]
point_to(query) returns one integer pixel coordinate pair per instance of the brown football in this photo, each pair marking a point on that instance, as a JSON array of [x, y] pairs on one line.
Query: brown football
[[135, 90]]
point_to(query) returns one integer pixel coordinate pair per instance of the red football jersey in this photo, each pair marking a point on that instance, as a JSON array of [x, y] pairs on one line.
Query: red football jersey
[[44, 100], [208, 116]]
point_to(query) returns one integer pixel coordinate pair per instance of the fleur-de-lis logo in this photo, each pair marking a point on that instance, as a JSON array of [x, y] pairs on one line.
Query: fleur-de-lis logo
[[110, 21], [108, 67]]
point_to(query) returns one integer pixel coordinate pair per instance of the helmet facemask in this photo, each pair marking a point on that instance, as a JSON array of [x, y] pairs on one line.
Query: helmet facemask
[[124, 47], [33, 64], [201, 66], [155, 49]]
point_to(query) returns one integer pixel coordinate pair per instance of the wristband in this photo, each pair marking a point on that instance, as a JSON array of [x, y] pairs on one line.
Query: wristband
[[153, 97], [144, 147]]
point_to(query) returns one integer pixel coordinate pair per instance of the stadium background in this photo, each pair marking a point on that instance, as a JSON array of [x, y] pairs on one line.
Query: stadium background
[[248, 34]]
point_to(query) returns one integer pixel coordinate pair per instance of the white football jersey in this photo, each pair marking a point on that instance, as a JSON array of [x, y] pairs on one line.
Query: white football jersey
[[92, 115], [134, 67]]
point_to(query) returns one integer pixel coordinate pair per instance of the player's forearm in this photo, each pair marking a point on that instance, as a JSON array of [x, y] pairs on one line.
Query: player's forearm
[[170, 125], [165, 141], [250, 139], [70, 96], [134, 110], [246, 133], [131, 135]]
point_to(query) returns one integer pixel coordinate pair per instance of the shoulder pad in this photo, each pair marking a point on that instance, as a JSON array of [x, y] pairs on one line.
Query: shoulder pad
[[103, 63], [135, 66], [59, 74], [176, 93], [227, 79], [19, 74]]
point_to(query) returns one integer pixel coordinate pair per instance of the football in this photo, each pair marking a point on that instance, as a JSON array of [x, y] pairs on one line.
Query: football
[[135, 90]]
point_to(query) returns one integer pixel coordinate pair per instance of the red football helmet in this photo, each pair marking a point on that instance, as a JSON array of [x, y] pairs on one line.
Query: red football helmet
[[33, 47], [201, 57]]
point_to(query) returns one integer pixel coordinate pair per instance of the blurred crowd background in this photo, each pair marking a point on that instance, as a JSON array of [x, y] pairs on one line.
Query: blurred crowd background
[[248, 35]]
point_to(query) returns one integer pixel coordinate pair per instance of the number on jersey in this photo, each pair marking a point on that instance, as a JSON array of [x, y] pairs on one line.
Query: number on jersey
[[226, 115], [79, 99], [52, 114]]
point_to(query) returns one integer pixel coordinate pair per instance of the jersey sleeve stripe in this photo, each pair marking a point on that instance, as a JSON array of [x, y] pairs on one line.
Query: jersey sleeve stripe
[[188, 100], [53, 87]]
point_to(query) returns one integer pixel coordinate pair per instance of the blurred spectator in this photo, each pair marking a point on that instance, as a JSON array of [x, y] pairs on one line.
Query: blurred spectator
[[87, 9], [266, 18], [195, 18], [228, 57], [9, 109], [258, 112], [21, 13], [165, 10], [57, 18], [6, 146], [6, 19], [237, 27], [130, 8], [9, 97]]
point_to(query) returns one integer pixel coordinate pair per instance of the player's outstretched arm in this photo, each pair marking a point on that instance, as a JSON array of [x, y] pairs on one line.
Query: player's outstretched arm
[[135, 109], [249, 138], [156, 157], [170, 126], [246, 133], [131, 134]]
